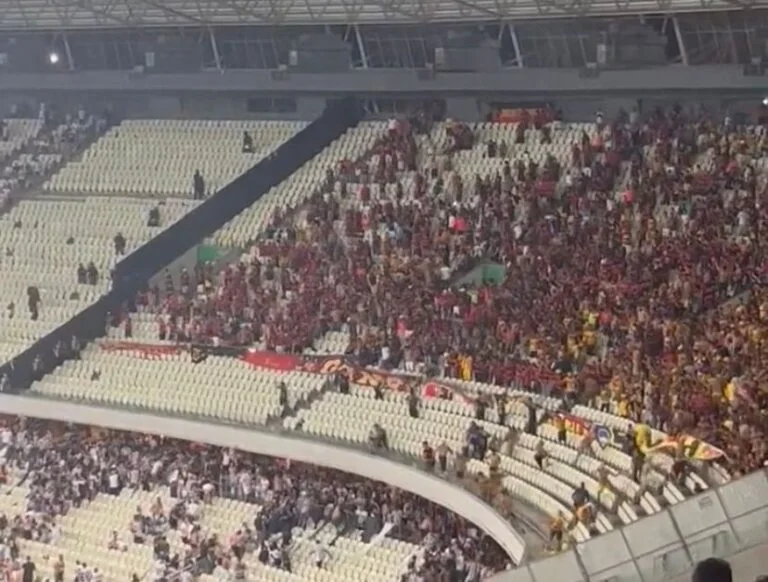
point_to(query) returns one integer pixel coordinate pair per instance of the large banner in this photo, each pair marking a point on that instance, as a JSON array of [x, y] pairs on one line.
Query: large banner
[[579, 426], [692, 447], [331, 365], [140, 350], [512, 114], [445, 389], [326, 365]]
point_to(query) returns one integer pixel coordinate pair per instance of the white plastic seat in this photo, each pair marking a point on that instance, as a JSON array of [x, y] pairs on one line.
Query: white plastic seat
[[42, 242], [158, 158]]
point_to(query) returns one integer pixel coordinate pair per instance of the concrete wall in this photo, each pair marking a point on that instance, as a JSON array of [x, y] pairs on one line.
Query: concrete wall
[[160, 105], [567, 83], [235, 106]]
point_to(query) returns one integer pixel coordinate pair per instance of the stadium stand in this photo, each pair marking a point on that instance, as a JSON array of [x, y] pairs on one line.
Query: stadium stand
[[520, 443], [137, 505], [155, 157], [714, 257], [60, 260], [566, 319]]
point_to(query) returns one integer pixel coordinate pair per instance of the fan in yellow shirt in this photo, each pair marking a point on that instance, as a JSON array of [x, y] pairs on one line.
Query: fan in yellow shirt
[[616, 386], [622, 407], [465, 368], [642, 436], [729, 392]]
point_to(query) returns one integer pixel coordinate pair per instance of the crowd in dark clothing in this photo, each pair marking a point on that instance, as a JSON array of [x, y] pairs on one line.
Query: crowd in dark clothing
[[66, 466]]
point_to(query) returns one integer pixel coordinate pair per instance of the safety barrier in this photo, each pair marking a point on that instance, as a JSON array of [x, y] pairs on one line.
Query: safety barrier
[[721, 522], [295, 448]]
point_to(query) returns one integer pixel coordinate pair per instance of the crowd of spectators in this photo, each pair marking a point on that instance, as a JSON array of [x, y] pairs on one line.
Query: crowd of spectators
[[657, 221], [56, 137], [66, 466]]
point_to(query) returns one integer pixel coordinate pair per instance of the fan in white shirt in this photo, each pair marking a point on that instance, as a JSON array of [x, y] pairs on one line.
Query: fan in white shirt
[[320, 554], [193, 510]]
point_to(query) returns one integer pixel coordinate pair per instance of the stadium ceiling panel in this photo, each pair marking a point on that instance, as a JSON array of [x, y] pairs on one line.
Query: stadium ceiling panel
[[16, 15]]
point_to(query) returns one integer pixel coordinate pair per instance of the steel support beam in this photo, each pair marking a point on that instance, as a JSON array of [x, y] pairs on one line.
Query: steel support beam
[[680, 42], [516, 46], [361, 46], [215, 49], [732, 44], [99, 14], [68, 52]]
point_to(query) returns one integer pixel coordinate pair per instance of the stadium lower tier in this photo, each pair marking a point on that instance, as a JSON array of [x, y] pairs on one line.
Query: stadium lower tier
[[139, 506]]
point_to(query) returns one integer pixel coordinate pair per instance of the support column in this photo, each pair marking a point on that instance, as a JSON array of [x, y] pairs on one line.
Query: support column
[[361, 46], [516, 45], [215, 48], [68, 52], [680, 43]]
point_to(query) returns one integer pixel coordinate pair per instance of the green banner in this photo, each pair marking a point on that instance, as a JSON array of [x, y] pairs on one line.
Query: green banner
[[494, 273], [208, 253], [482, 274]]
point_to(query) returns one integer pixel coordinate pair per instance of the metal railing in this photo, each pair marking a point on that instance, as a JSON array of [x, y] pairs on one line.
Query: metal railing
[[519, 522], [722, 522]]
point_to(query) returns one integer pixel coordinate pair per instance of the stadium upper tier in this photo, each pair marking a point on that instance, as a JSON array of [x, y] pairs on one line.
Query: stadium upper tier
[[60, 251], [71, 14], [159, 157]]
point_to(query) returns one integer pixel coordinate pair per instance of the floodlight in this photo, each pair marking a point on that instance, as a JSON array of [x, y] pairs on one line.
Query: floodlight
[[53, 58]]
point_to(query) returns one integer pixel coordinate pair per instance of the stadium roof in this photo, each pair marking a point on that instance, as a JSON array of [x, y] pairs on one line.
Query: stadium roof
[[18, 15]]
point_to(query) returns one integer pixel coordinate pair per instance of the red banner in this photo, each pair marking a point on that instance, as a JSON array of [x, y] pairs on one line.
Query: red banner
[[272, 360], [518, 114], [145, 351], [574, 424], [327, 365], [357, 375], [512, 115]]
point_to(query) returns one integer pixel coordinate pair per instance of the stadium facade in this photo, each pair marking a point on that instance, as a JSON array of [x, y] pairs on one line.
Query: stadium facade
[[285, 59]]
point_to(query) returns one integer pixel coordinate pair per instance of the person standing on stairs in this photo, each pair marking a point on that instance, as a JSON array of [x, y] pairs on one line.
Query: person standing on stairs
[[247, 143], [198, 185], [120, 244]]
